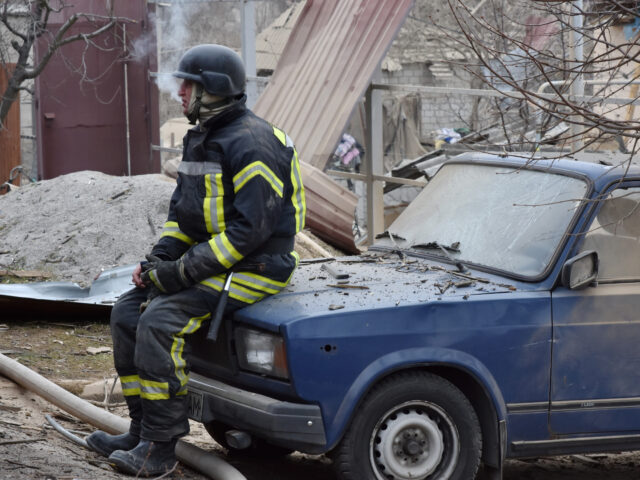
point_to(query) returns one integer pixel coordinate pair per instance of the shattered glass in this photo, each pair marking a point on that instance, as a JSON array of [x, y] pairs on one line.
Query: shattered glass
[[500, 217]]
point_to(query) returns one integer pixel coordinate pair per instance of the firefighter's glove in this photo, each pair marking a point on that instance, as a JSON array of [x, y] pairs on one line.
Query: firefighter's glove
[[168, 276]]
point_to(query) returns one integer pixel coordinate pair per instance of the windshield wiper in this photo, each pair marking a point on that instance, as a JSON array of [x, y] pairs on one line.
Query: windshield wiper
[[388, 234], [454, 247], [397, 250]]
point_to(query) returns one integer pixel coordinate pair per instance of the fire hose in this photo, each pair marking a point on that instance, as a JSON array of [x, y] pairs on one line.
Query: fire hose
[[206, 463]]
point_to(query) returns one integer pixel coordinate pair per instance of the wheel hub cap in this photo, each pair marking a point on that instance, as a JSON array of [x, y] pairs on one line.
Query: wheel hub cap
[[408, 445]]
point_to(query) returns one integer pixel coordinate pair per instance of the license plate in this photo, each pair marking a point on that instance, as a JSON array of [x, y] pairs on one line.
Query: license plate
[[195, 402]]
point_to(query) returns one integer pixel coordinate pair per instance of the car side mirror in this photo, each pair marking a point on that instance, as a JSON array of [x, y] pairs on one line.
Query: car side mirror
[[580, 271]]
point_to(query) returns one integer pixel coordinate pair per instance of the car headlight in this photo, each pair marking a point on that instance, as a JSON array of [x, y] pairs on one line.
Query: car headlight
[[261, 352]]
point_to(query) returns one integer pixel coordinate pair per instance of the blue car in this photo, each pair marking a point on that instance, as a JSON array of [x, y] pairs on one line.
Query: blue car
[[497, 317]]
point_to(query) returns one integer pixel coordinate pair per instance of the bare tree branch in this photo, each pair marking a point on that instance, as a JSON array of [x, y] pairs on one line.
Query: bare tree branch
[[28, 20]]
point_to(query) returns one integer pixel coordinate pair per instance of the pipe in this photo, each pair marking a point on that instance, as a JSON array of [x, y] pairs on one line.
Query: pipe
[[126, 100], [204, 462], [60, 429]]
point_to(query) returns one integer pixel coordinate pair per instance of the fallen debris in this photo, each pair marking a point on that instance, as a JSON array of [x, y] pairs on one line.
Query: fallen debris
[[73, 226], [97, 350]]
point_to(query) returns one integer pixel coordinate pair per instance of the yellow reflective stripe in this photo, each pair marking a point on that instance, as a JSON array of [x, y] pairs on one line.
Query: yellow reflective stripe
[[236, 291], [213, 243], [156, 280], [298, 196], [172, 229], [214, 217], [177, 348], [280, 135], [244, 294], [220, 204], [216, 282], [152, 390], [130, 385], [257, 168], [206, 206], [230, 248], [258, 282], [225, 252], [154, 396]]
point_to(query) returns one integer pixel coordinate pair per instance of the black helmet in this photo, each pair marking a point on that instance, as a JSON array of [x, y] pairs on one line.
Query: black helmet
[[219, 69]]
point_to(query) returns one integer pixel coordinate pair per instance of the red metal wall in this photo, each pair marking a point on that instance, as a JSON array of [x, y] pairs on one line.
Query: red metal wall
[[9, 136], [81, 116]]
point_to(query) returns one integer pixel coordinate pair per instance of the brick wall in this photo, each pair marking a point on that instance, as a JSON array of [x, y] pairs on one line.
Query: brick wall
[[437, 111]]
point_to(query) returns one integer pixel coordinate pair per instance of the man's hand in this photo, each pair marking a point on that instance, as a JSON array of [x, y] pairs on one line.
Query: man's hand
[[168, 276], [137, 281]]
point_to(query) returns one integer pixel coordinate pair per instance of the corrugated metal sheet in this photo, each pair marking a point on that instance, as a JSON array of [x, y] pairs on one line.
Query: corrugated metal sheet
[[324, 70]]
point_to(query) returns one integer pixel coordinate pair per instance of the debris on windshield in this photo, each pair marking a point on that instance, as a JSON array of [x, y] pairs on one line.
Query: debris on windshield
[[470, 277], [335, 307], [454, 247], [443, 288], [335, 273], [357, 287], [463, 284], [388, 234]]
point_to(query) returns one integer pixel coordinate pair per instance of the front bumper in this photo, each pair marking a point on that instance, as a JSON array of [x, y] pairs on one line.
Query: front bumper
[[296, 426]]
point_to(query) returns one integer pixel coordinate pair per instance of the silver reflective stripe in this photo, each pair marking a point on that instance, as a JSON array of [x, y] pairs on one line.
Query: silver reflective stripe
[[150, 389], [130, 385], [224, 256], [214, 203], [261, 283], [289, 141], [199, 168], [244, 294]]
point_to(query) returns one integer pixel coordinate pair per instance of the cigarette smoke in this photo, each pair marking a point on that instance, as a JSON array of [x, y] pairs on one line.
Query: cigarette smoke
[[170, 32], [173, 40]]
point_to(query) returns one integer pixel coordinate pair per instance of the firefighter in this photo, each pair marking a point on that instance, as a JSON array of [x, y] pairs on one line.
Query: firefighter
[[238, 203]]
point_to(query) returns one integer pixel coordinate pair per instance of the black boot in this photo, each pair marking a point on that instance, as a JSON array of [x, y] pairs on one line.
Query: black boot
[[106, 444], [147, 459]]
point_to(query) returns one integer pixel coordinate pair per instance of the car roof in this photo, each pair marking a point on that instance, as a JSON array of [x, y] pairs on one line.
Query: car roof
[[598, 172]]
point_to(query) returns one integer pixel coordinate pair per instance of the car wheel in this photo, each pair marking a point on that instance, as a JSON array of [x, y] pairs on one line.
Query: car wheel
[[258, 448], [413, 425]]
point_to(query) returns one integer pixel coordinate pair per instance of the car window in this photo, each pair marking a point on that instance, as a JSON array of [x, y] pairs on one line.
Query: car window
[[501, 217], [615, 235]]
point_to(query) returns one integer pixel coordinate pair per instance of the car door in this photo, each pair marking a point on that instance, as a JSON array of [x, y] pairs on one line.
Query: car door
[[595, 377]]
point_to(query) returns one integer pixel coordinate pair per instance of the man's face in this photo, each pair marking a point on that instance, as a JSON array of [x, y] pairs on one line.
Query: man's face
[[185, 94]]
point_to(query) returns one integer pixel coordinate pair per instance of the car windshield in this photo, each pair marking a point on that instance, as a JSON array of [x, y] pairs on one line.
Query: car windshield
[[500, 217]]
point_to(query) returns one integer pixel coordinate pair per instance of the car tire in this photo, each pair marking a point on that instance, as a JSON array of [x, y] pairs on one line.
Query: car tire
[[413, 425], [258, 448]]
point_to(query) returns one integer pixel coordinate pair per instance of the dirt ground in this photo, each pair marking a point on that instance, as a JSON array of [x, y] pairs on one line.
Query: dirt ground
[[31, 449]]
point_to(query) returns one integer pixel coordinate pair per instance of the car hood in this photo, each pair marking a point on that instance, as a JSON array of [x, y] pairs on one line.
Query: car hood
[[373, 281]]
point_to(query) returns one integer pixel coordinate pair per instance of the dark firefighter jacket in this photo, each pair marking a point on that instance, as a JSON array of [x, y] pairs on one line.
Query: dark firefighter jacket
[[238, 204]]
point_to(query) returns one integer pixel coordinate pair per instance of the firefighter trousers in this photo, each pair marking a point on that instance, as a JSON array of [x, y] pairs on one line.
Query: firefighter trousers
[[151, 355]]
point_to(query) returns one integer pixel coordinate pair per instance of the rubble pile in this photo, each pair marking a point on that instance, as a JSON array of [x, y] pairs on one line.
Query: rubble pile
[[75, 225], [72, 227]]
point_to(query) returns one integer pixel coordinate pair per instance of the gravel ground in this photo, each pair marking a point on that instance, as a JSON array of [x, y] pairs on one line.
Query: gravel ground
[[59, 352], [43, 453]]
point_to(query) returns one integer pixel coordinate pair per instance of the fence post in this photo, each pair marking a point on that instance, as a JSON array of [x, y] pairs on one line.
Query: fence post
[[373, 160]]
